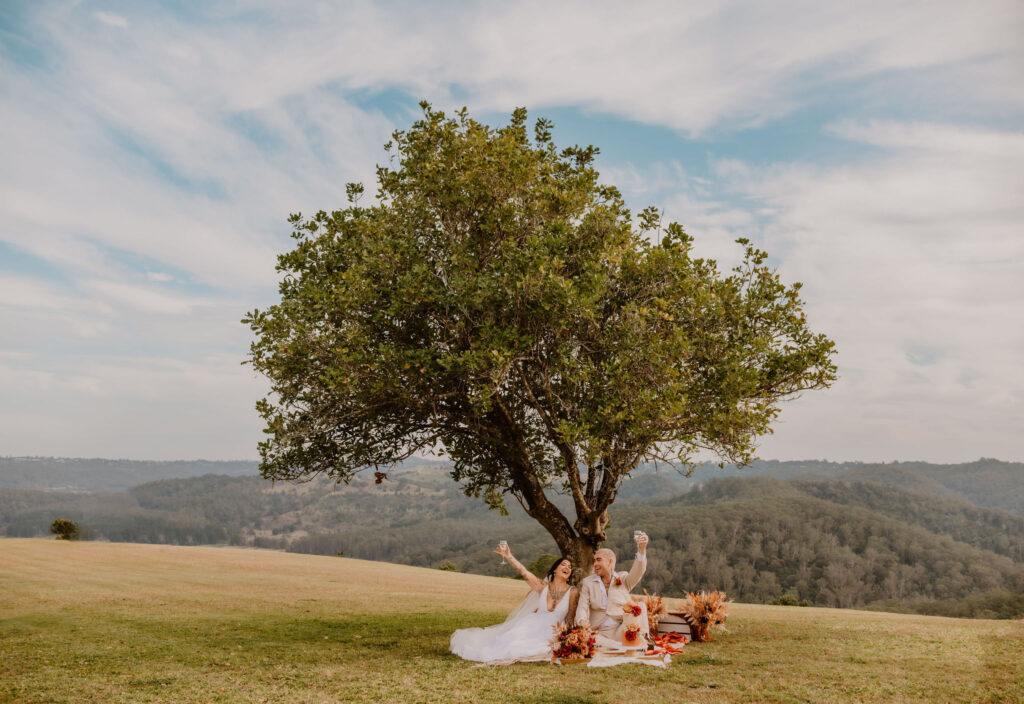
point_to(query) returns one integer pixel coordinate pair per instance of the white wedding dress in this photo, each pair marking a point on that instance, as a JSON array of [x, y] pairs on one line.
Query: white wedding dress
[[525, 636]]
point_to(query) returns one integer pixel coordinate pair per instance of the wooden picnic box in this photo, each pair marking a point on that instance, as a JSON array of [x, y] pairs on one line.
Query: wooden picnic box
[[673, 622]]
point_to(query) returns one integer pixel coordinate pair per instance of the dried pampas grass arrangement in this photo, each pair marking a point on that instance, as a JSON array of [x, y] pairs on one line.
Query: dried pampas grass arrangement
[[655, 610], [704, 610]]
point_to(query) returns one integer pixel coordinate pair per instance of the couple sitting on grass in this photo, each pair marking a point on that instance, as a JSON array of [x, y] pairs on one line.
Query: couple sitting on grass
[[527, 633]]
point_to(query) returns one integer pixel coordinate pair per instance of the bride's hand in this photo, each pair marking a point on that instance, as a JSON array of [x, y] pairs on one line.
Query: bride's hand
[[504, 551]]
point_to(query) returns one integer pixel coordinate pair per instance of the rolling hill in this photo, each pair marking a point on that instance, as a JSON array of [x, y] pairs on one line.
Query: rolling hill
[[817, 536]]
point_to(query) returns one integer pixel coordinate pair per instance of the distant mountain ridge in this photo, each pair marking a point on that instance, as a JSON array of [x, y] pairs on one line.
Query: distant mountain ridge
[[77, 474], [815, 535], [985, 482]]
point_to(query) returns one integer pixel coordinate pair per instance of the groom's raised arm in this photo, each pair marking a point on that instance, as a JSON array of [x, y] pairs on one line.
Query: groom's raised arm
[[639, 564], [636, 571]]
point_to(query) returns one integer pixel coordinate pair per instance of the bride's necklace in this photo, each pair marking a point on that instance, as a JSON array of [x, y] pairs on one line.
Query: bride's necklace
[[557, 594]]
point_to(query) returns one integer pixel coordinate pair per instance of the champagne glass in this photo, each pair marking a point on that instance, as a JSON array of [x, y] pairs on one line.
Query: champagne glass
[[502, 544], [636, 536]]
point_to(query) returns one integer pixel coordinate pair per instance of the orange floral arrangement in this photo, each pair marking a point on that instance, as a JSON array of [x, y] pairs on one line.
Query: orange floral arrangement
[[702, 611], [631, 607], [572, 642], [632, 634]]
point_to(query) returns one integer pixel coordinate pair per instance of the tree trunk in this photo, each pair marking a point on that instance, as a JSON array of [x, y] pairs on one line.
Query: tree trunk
[[581, 552], [578, 545]]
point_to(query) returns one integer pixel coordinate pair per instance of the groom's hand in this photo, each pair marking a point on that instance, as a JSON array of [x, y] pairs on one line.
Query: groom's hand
[[641, 543]]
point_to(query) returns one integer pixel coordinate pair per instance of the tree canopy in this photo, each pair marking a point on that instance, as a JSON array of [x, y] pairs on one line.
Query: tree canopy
[[499, 303]]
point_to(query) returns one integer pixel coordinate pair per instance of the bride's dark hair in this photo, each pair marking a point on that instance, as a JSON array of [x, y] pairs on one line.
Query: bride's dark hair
[[554, 566]]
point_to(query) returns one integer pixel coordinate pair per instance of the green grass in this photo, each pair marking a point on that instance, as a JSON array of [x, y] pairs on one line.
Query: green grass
[[100, 622]]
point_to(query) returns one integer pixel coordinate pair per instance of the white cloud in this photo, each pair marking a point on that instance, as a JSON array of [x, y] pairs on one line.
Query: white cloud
[[144, 299], [957, 140], [913, 262], [687, 66], [131, 148], [111, 20], [27, 292], [177, 90]]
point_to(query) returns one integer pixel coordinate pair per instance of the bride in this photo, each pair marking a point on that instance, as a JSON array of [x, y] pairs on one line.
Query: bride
[[526, 634]]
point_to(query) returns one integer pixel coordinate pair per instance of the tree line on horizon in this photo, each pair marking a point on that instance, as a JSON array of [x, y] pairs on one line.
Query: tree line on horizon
[[827, 542]]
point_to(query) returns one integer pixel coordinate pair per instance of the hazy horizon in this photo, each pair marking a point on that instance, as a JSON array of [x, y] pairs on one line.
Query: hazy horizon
[[447, 461]]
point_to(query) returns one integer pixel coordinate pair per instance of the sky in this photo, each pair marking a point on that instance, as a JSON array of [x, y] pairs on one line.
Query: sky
[[151, 153]]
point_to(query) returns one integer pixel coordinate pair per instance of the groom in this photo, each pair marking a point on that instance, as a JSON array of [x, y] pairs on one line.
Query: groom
[[603, 593]]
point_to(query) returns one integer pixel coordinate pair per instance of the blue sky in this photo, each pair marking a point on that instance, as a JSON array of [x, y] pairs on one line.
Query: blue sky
[[152, 152]]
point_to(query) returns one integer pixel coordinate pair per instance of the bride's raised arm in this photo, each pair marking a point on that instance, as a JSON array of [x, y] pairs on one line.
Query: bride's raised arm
[[531, 579]]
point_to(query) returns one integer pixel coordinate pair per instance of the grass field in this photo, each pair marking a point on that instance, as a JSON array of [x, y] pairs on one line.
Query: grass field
[[101, 622]]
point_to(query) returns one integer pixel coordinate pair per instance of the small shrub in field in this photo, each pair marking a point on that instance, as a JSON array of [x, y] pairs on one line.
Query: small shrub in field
[[64, 529], [448, 566]]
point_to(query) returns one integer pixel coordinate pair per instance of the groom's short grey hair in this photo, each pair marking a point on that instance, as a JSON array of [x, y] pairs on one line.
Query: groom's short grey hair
[[607, 553]]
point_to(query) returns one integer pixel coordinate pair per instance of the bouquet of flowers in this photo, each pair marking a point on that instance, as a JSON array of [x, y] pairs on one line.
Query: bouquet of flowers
[[572, 642], [703, 611]]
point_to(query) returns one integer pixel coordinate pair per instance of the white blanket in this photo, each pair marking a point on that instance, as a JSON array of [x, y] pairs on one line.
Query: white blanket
[[610, 653], [609, 659]]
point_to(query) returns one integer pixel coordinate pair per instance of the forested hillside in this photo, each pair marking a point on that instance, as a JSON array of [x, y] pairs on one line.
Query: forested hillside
[[990, 529], [760, 539], [828, 541], [987, 482]]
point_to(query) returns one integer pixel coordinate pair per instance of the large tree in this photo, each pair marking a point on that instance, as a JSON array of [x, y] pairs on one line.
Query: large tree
[[498, 303]]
